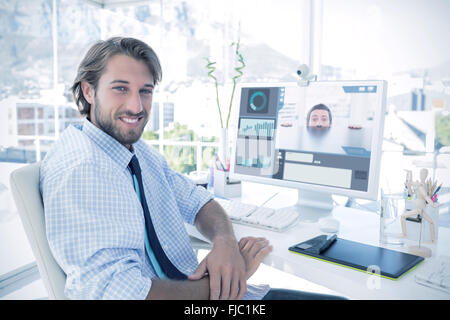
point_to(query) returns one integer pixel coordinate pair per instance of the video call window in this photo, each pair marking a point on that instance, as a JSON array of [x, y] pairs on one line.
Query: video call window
[[319, 134]]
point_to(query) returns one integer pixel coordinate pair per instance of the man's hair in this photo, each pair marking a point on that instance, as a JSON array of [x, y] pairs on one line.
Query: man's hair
[[319, 106], [94, 64]]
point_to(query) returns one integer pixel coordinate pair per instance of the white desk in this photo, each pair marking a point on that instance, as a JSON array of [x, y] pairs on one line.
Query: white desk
[[356, 225]]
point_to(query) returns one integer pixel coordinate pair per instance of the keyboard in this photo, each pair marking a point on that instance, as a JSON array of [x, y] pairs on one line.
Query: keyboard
[[436, 274], [259, 217]]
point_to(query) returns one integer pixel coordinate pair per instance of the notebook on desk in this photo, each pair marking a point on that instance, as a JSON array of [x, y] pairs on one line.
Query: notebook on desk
[[389, 263]]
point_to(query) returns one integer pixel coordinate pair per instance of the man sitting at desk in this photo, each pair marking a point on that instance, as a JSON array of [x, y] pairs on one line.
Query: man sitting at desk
[[115, 211]]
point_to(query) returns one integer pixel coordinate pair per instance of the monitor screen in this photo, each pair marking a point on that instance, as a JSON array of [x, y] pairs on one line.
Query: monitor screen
[[325, 136]]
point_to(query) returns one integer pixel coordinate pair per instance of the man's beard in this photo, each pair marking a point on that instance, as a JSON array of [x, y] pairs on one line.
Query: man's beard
[[318, 131], [106, 124]]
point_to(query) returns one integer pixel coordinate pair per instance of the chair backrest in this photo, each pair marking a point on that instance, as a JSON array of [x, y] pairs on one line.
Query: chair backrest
[[25, 189]]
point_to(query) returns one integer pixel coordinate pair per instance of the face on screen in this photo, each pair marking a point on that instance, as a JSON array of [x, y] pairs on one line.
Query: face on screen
[[319, 119]]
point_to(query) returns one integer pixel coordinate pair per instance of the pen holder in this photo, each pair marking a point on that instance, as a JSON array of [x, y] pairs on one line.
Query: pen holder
[[224, 187]]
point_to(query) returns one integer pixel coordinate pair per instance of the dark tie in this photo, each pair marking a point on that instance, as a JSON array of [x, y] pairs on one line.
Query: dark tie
[[166, 265]]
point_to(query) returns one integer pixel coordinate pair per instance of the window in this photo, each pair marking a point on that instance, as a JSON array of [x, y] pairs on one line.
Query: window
[[25, 113], [400, 41], [403, 42], [185, 111]]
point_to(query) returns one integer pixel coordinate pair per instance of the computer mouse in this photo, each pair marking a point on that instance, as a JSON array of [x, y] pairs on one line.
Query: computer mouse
[[329, 225]]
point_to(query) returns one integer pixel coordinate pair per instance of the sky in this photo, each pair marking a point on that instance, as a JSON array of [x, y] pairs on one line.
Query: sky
[[372, 36], [278, 23], [386, 35]]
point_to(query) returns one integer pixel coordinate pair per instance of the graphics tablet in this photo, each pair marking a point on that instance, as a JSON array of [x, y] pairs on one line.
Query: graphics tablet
[[391, 264]]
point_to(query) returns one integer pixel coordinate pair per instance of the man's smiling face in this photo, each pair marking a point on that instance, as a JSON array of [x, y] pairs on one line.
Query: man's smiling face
[[120, 106]]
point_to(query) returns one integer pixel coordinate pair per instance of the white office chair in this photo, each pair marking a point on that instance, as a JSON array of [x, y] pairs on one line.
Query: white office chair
[[25, 189]]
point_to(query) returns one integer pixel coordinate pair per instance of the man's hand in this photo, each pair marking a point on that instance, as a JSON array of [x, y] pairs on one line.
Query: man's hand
[[227, 266], [226, 269], [254, 250]]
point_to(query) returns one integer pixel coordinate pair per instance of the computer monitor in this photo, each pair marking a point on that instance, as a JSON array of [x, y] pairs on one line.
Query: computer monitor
[[323, 138]]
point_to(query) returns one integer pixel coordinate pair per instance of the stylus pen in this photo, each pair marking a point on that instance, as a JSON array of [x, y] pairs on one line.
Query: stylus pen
[[269, 199], [327, 244], [254, 210]]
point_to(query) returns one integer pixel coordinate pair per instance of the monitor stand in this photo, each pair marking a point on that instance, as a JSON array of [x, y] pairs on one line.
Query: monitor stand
[[313, 205]]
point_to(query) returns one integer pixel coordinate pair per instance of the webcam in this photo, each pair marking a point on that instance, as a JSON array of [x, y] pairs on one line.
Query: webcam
[[304, 75]]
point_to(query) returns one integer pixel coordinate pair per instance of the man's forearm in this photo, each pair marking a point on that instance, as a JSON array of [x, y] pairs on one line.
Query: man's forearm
[[213, 221], [179, 290], [224, 263]]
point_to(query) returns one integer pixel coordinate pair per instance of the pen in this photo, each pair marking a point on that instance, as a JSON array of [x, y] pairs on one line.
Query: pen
[[269, 199], [434, 198], [219, 164], [437, 190], [327, 244]]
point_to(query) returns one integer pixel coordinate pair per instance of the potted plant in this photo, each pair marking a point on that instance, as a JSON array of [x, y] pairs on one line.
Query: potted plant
[[223, 139]]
